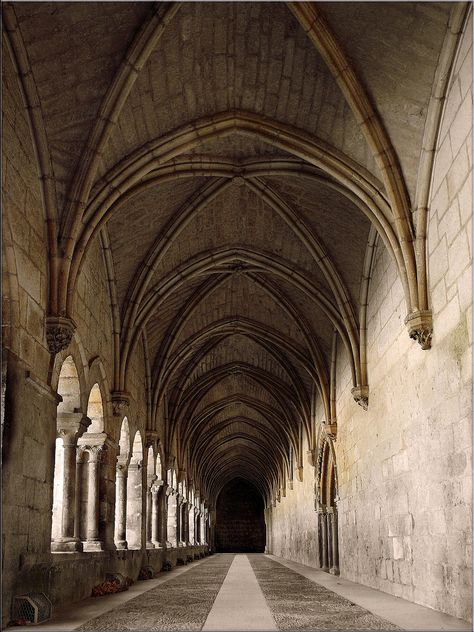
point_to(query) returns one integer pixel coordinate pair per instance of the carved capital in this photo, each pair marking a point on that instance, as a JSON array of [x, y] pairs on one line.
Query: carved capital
[[361, 396], [95, 453], [420, 327], [59, 333], [120, 402], [71, 426], [151, 438]]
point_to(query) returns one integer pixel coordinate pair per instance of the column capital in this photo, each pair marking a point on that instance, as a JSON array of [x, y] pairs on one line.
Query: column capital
[[97, 438], [120, 402], [71, 426], [151, 480], [59, 333], [420, 327], [151, 437], [361, 395]]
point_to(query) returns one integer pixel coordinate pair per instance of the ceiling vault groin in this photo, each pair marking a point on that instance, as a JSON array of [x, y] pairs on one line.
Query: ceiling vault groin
[[238, 233]]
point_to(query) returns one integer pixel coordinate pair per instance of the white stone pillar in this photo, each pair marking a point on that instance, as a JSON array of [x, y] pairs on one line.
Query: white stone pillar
[[93, 542], [192, 525], [70, 427], [172, 531], [77, 497], [121, 506], [149, 512]]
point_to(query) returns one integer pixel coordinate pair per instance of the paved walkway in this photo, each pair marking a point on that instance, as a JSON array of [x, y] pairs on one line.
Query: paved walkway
[[248, 592]]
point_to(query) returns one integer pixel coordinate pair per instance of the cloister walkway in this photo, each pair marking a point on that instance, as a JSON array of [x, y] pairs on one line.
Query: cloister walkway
[[248, 592]]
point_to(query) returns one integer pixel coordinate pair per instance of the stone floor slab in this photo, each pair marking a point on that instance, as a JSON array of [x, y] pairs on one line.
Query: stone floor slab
[[240, 604]]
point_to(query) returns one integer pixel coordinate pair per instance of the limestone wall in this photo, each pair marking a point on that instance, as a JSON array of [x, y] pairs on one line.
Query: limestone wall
[[404, 466], [27, 491], [294, 520]]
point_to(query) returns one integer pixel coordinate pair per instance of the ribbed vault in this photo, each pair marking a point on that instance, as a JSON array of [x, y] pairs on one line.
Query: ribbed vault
[[237, 162]]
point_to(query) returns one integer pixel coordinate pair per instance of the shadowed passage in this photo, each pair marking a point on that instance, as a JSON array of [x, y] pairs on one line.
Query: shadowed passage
[[240, 520]]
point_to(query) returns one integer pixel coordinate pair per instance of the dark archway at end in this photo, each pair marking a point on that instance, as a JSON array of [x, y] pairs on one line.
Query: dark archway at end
[[240, 519]]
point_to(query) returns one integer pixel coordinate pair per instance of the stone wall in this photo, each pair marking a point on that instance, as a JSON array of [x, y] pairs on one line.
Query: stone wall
[[404, 465], [294, 520]]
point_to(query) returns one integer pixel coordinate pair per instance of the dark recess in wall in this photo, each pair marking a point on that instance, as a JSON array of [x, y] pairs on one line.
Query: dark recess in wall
[[240, 520]]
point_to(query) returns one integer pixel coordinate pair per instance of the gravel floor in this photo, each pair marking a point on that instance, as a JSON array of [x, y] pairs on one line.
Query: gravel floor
[[178, 604], [297, 603]]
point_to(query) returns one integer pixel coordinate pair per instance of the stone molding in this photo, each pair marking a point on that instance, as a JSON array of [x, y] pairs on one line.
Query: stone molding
[[420, 327], [59, 333]]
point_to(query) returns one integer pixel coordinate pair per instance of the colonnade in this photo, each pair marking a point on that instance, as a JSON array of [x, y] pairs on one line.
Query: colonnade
[[146, 508]]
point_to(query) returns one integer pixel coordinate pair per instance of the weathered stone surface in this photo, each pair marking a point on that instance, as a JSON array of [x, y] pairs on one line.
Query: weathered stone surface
[[198, 187]]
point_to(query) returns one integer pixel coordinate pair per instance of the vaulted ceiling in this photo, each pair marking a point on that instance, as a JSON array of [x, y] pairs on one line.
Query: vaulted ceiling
[[222, 153]]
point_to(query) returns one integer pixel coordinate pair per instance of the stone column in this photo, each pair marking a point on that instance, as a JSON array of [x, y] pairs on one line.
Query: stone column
[[329, 537], [93, 542], [185, 522], [155, 515], [70, 427], [149, 512], [162, 514], [192, 525], [335, 545], [121, 507], [172, 531], [179, 521], [268, 525], [77, 497], [204, 526], [324, 541], [197, 525]]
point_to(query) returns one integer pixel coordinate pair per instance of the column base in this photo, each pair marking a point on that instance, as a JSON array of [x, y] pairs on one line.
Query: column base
[[149, 545], [121, 545], [66, 546], [157, 545], [334, 570], [93, 545]]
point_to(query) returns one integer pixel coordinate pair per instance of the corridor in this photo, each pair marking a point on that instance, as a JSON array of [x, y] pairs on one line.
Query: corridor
[[248, 592]]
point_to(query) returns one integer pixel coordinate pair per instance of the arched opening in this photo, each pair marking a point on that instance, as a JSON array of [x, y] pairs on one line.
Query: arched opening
[[240, 520], [95, 410], [121, 476], [134, 495], [327, 515], [70, 424]]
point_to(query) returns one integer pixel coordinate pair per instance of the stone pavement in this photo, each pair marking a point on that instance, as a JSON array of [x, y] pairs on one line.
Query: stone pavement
[[249, 592]]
